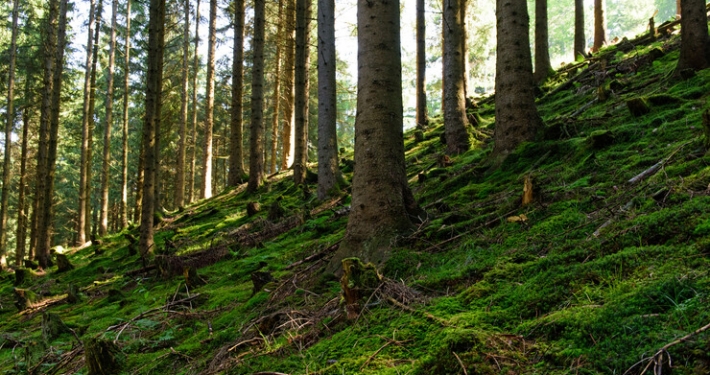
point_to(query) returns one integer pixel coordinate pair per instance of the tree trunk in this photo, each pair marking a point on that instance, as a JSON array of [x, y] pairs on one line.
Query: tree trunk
[[380, 194], [454, 93], [422, 117], [209, 102], [327, 96], [277, 90], [151, 124], [694, 44], [22, 208], [124, 148], [580, 41], [196, 70], [300, 154], [236, 140], [139, 182], [599, 25], [10, 119], [517, 119], [92, 122], [678, 8], [179, 197], [289, 72], [256, 137], [108, 124], [543, 68], [84, 162]]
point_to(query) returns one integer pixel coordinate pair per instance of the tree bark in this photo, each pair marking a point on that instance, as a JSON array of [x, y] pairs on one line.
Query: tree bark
[[300, 154], [599, 25], [289, 72], [694, 40], [10, 120], [179, 197], [327, 96], [580, 41], [277, 90], [196, 70], [22, 208], [108, 124], [543, 67], [517, 119], [209, 102], [256, 137], [92, 123], [124, 140], [236, 140], [457, 140], [422, 117]]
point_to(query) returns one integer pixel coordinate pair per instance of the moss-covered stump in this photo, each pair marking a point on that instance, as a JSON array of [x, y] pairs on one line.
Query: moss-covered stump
[[192, 279], [31, 265], [24, 298], [260, 279], [63, 263], [21, 275], [276, 211], [103, 357], [600, 139], [73, 294], [359, 281], [253, 208], [419, 136], [638, 107], [132, 244], [52, 326]]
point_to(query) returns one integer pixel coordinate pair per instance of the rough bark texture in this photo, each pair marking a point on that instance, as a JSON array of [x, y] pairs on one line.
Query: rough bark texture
[[209, 102], [92, 122], [236, 140], [457, 140], [695, 44], [22, 208], [124, 128], [108, 124], [599, 25], [179, 197], [151, 123], [580, 41], [277, 90], [380, 194], [9, 121], [256, 137], [195, 72], [517, 119], [543, 67], [300, 154], [289, 71], [422, 117], [327, 135]]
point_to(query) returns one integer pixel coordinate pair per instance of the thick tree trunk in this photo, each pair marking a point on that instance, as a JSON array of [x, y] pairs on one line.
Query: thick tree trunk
[[195, 72], [543, 68], [422, 117], [151, 124], [179, 197], [380, 194], [289, 72], [277, 90], [124, 140], [580, 41], [236, 140], [300, 154], [599, 25], [209, 102], [454, 89], [256, 137], [695, 44], [327, 96], [108, 124], [517, 119], [10, 120]]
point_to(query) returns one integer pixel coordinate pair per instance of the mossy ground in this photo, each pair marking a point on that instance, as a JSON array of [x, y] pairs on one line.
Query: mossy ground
[[593, 276]]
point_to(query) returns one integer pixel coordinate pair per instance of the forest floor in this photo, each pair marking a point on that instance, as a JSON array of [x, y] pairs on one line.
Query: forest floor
[[605, 271]]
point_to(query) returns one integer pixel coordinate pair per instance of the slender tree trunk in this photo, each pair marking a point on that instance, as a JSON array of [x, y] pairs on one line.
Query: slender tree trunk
[[86, 115], [139, 183], [196, 70], [327, 96], [599, 25], [422, 117], [10, 119], [108, 124], [236, 140], [517, 119], [457, 140], [694, 40], [151, 124], [289, 72], [256, 137], [277, 90], [179, 197], [22, 208], [580, 41], [543, 68], [124, 148], [300, 163], [209, 100], [678, 8], [92, 122]]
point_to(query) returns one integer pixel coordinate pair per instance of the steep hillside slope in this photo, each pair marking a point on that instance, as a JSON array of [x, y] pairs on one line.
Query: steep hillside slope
[[606, 266]]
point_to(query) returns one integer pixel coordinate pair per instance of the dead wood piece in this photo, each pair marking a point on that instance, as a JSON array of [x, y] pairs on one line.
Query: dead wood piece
[[317, 256], [102, 356], [52, 326], [638, 107], [63, 263], [192, 279], [149, 312], [24, 298], [172, 265], [260, 279], [358, 281], [73, 295], [141, 270], [253, 208]]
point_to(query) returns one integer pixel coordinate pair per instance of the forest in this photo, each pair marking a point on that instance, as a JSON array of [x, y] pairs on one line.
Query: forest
[[371, 186]]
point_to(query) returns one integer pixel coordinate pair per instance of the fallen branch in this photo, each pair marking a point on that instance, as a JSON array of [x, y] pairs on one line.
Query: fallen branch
[[316, 256], [654, 168], [148, 312], [461, 363]]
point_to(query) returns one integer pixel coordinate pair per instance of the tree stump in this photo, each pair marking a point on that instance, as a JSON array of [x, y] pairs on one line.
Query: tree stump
[[31, 265], [359, 281], [276, 211], [63, 263], [24, 298], [52, 326], [21, 275], [73, 294], [260, 279], [103, 357], [192, 279], [132, 244], [600, 139], [418, 136], [638, 107], [706, 129], [253, 208]]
